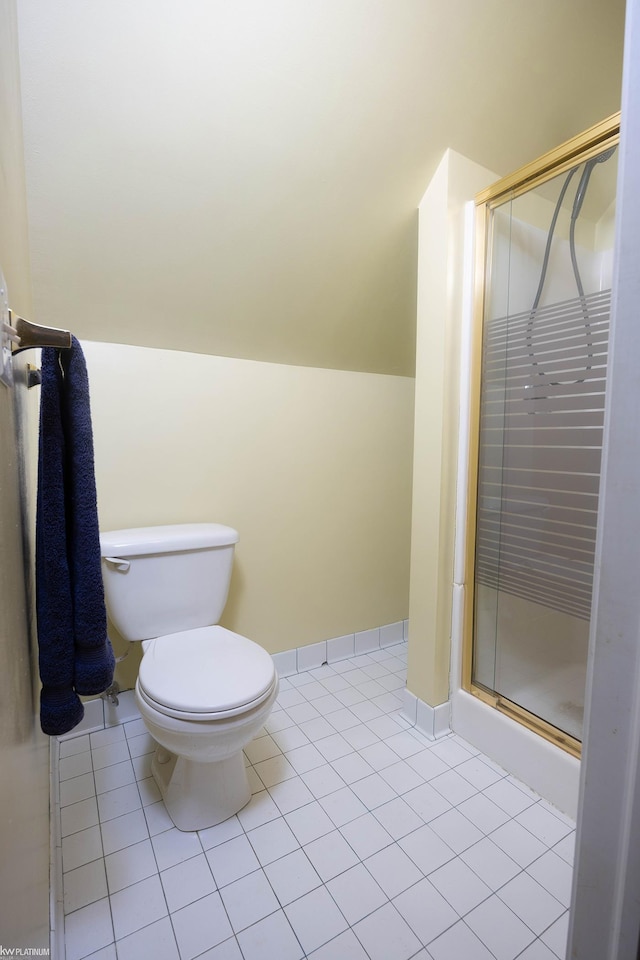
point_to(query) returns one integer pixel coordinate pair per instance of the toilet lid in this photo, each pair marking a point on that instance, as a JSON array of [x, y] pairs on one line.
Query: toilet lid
[[208, 670]]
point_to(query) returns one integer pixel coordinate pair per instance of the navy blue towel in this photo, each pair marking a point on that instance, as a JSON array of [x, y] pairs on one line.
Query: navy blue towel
[[75, 654]]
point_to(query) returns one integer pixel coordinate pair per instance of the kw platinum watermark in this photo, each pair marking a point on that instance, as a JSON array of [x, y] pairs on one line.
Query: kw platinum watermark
[[24, 951]]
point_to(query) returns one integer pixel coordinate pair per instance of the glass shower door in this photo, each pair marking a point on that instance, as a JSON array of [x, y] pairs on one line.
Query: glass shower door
[[544, 353]]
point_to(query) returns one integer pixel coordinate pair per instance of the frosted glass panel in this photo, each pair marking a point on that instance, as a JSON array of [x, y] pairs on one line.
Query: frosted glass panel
[[544, 359]]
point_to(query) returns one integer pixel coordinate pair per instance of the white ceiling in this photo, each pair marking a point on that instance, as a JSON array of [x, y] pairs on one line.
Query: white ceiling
[[241, 177]]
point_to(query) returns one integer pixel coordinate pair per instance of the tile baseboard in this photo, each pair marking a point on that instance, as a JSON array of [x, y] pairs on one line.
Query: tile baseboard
[[433, 722], [299, 659]]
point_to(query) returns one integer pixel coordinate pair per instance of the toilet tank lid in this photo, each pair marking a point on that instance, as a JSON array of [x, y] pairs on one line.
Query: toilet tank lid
[[167, 539]]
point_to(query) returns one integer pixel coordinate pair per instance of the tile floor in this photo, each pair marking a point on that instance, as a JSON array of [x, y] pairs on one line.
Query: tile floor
[[363, 841]]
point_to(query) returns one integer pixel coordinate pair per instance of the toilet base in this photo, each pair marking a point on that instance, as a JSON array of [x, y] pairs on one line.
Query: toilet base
[[199, 795]]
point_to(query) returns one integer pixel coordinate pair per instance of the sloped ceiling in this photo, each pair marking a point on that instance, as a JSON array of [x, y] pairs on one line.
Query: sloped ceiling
[[241, 177]]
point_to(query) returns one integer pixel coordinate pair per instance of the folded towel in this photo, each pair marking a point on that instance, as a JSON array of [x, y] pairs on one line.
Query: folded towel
[[75, 654]]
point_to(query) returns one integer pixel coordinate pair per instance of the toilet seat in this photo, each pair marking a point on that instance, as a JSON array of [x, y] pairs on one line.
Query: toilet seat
[[205, 674]]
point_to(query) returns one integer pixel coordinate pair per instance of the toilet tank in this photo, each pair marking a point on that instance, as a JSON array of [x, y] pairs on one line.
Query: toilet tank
[[161, 580]]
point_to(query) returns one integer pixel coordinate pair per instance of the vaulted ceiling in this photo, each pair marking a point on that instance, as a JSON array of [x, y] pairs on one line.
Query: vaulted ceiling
[[241, 177]]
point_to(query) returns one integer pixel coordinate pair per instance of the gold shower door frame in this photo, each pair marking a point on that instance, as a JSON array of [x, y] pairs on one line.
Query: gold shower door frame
[[575, 151]]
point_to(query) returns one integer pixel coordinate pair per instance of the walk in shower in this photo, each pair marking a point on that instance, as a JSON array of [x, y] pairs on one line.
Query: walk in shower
[[543, 302]]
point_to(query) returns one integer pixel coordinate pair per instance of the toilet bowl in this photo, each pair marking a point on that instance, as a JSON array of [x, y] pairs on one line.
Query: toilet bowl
[[203, 691]]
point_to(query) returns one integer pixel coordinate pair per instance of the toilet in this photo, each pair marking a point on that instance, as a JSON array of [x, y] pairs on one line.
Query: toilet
[[203, 691]]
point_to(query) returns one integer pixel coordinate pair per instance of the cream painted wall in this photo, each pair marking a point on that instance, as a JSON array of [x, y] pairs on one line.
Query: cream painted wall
[[312, 466], [254, 168], [440, 274], [24, 751]]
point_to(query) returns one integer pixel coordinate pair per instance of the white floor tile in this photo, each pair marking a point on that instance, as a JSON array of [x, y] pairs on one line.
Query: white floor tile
[[401, 777], [231, 860], [124, 831], [315, 919], [249, 900], [386, 934], [341, 719], [556, 936], [220, 833], [107, 953], [137, 906], [84, 885], [397, 818], [334, 747], [483, 813], [292, 738], [305, 758], [427, 764], [317, 729], [490, 863], [538, 951], [459, 943], [78, 789], [330, 855], [274, 770], [509, 797], [272, 841], [290, 794], [500, 930], [69, 748], [452, 752], [356, 893], [426, 911], [270, 938], [292, 876], [186, 882], [103, 738], [228, 950], [393, 870], [460, 886], [81, 848], [116, 803], [74, 766], [518, 843], [108, 755], [366, 835], [343, 806], [134, 728], [309, 822], [379, 756], [78, 816], [322, 780], [130, 865], [427, 802], [174, 846], [141, 745], [87, 930], [543, 824], [566, 848], [156, 941], [263, 748], [260, 809], [456, 831], [117, 775], [373, 791], [345, 946], [352, 768], [478, 773], [529, 901], [200, 926], [158, 820], [360, 736], [149, 792], [554, 874], [427, 850], [453, 787]]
